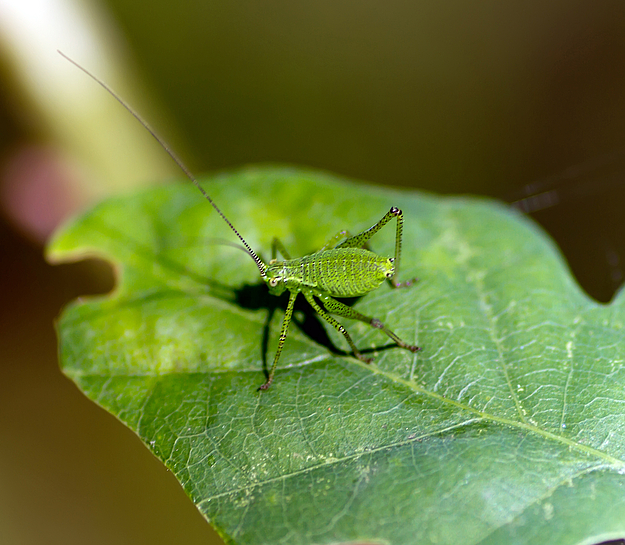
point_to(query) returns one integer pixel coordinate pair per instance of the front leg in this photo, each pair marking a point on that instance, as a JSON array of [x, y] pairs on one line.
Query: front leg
[[277, 246], [283, 332]]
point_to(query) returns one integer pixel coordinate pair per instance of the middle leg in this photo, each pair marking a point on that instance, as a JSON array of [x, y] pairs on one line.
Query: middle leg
[[336, 307]]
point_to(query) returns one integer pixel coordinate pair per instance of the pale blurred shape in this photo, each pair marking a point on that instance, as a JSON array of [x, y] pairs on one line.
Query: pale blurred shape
[[37, 190], [87, 133]]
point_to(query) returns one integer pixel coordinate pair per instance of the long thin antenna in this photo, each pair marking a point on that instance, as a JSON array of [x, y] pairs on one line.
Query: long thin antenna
[[259, 263]]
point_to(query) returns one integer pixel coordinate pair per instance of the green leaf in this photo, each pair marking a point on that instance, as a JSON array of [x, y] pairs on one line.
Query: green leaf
[[507, 428]]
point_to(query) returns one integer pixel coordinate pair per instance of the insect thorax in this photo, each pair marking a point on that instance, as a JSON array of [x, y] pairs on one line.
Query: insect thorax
[[342, 272]]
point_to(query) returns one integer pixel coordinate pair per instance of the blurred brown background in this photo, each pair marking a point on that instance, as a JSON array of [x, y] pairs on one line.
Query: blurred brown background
[[520, 101]]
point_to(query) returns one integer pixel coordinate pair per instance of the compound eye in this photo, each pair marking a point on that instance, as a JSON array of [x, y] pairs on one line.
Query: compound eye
[[390, 274], [273, 282]]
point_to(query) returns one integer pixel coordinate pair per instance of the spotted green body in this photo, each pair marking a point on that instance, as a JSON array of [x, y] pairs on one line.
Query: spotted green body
[[343, 267], [342, 272]]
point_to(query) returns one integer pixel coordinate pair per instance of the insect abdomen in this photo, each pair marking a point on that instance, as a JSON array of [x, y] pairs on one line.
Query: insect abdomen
[[343, 272]]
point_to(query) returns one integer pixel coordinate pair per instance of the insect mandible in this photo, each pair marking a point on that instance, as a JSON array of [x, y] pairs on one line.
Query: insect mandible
[[343, 267]]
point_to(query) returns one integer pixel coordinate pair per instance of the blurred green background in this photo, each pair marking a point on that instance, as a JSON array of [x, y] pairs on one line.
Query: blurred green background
[[519, 101]]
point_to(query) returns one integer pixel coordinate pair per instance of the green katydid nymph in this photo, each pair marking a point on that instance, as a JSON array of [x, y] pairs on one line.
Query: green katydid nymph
[[343, 267]]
